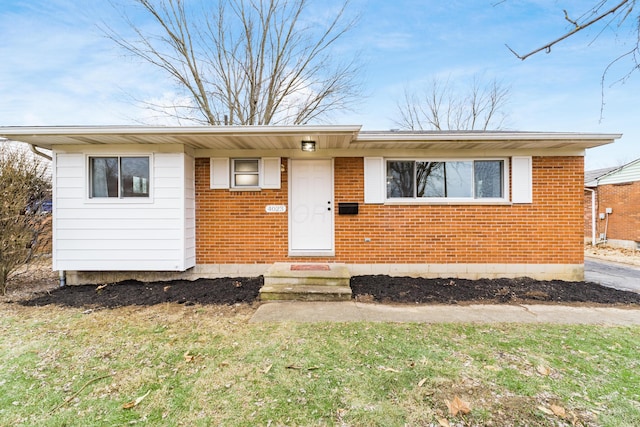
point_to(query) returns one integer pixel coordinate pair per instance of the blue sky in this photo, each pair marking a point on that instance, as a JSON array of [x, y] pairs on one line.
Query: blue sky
[[57, 68]]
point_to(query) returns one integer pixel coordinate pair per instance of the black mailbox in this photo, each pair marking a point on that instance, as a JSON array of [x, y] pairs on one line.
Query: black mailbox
[[347, 208]]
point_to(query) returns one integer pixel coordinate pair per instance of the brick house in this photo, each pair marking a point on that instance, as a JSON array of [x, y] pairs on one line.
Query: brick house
[[612, 205], [165, 202]]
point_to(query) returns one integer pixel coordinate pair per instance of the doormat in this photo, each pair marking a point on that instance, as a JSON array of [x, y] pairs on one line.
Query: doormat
[[310, 267]]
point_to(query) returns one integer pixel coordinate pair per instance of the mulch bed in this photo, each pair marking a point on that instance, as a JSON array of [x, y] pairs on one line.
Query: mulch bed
[[225, 291], [383, 289], [485, 291]]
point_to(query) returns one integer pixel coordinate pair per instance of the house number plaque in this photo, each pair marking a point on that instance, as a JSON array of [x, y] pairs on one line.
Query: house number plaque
[[275, 208]]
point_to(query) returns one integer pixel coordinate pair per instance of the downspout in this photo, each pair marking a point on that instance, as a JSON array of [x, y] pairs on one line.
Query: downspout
[[40, 153], [62, 274], [593, 216]]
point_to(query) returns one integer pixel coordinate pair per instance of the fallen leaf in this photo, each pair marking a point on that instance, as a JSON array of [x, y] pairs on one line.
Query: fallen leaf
[[384, 368], [492, 368], [543, 370], [574, 419], [188, 357], [267, 369], [443, 422], [421, 382], [136, 402], [101, 287], [166, 288], [293, 367], [558, 411], [545, 410], [457, 405]]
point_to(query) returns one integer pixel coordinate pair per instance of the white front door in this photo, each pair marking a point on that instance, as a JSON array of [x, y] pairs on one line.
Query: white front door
[[311, 207]]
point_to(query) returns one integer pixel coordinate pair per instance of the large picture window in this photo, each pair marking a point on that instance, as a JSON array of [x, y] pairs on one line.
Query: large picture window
[[118, 177], [460, 179]]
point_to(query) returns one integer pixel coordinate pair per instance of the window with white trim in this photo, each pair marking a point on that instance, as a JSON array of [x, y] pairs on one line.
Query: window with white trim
[[252, 174], [245, 173], [456, 179], [118, 176]]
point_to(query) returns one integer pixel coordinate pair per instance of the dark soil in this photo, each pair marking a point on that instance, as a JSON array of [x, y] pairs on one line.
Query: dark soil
[[383, 289], [132, 292], [486, 291]]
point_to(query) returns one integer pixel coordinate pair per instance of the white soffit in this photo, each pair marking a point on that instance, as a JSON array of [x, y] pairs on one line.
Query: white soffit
[[469, 140], [289, 137], [197, 137]]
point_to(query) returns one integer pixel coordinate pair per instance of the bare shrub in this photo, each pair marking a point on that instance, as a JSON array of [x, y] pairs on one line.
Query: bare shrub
[[24, 189]]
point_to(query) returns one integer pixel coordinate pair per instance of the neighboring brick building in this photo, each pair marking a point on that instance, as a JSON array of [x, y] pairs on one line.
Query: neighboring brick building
[[617, 205], [221, 201]]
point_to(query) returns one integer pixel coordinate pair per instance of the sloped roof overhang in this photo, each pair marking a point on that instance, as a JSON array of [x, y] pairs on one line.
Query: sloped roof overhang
[[329, 137]]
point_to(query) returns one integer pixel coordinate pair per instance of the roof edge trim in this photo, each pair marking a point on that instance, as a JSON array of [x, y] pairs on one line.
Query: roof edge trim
[[141, 130]]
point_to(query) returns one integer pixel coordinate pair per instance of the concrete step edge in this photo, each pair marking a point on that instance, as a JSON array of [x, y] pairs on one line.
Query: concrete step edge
[[301, 289]]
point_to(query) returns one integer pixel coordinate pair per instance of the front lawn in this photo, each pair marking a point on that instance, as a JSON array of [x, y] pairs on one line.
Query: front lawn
[[172, 364]]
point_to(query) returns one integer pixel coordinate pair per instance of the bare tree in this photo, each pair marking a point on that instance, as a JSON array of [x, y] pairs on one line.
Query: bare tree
[[611, 14], [246, 62], [24, 186], [441, 106]]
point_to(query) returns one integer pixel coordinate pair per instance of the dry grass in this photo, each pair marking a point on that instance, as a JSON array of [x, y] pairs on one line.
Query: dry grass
[[206, 365], [209, 366], [610, 253]]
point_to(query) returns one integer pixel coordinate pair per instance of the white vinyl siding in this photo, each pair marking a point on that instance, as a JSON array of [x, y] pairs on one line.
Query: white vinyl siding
[[627, 173], [189, 211], [522, 180], [151, 235]]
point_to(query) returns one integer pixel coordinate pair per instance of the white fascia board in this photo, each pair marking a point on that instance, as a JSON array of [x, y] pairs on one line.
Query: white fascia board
[[483, 136], [7, 131]]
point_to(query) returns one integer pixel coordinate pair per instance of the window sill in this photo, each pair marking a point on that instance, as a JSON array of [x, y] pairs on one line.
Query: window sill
[[245, 189], [119, 201], [458, 202]]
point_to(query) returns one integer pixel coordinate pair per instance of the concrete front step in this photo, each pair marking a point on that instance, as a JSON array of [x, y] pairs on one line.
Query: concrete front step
[[306, 282], [305, 293]]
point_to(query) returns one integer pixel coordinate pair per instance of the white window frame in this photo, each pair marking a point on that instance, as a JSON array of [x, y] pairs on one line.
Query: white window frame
[[452, 200], [222, 174], [89, 198], [233, 173]]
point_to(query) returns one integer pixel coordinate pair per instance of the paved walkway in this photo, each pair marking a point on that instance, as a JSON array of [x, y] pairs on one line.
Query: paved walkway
[[612, 274], [358, 312]]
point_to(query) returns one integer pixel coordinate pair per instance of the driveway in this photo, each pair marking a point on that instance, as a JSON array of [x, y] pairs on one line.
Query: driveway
[[612, 274]]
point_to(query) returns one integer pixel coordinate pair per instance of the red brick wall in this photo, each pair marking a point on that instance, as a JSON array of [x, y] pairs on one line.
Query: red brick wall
[[232, 227], [624, 222]]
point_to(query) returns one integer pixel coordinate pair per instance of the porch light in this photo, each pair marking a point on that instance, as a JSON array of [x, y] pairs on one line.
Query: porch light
[[308, 146]]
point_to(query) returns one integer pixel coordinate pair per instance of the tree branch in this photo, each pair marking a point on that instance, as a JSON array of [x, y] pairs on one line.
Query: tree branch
[[547, 47]]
